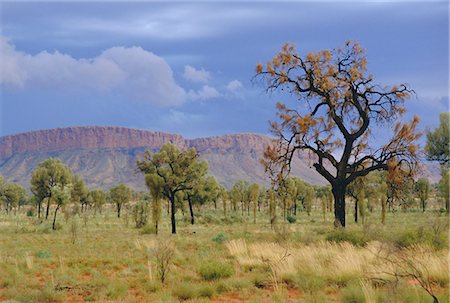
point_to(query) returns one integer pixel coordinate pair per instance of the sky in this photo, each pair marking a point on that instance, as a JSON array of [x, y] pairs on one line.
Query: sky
[[188, 67]]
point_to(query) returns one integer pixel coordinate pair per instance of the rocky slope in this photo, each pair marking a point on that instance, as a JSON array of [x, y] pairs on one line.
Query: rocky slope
[[105, 156]]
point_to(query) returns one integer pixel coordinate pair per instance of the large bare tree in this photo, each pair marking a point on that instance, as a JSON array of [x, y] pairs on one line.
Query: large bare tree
[[339, 104]]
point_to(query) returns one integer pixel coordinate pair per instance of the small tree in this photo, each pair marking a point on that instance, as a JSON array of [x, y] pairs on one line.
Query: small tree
[[61, 195], [79, 194], [437, 148], [339, 105], [422, 188], [179, 171], [98, 198], [254, 195], [156, 186], [12, 194], [50, 173], [120, 195], [444, 187]]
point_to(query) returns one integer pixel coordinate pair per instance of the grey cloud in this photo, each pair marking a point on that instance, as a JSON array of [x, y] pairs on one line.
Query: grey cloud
[[131, 72]]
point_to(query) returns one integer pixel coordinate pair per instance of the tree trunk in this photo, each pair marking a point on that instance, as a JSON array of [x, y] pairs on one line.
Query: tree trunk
[[118, 210], [48, 208], [356, 210], [54, 218], [191, 210], [423, 205], [39, 209], [339, 205], [172, 217], [383, 211]]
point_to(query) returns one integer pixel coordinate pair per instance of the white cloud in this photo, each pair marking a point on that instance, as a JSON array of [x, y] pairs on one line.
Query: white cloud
[[234, 86], [131, 72], [205, 93], [196, 75]]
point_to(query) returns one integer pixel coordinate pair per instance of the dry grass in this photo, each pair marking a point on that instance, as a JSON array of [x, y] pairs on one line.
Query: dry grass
[[342, 261]]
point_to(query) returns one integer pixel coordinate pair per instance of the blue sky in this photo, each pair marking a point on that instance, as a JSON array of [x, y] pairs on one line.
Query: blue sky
[[187, 67]]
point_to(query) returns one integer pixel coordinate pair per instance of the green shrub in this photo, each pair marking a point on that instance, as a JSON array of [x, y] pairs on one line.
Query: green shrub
[[148, 229], [309, 283], [206, 291], [291, 219], [352, 294], [215, 270], [184, 292], [43, 254], [219, 238], [116, 290], [340, 235]]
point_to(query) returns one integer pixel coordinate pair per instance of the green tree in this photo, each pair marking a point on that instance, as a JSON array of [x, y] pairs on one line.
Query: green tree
[[422, 189], [254, 195], [61, 195], [48, 174], [98, 198], [12, 194], [444, 187], [239, 194], [79, 194], [179, 171], [437, 141], [120, 195], [342, 104], [156, 186]]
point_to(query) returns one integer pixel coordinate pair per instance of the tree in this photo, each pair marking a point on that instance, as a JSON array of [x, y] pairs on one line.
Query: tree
[[12, 194], [357, 191], [239, 193], [203, 190], [179, 171], [339, 106], [79, 194], [254, 195], [422, 188], [444, 187], [156, 186], [437, 141], [120, 195], [50, 173], [98, 198], [61, 195]]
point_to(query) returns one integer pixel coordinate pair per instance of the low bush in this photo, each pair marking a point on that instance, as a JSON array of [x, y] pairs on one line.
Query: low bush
[[219, 238], [354, 237], [148, 229], [291, 218], [214, 270], [353, 294], [184, 292]]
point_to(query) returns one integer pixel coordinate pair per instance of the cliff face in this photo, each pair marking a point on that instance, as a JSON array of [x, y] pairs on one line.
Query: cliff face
[[105, 156], [62, 139]]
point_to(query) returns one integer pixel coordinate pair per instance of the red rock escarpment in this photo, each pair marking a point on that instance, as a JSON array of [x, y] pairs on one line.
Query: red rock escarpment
[[60, 139]]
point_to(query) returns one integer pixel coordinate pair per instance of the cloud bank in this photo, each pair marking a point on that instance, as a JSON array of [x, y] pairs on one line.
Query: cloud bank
[[131, 72]]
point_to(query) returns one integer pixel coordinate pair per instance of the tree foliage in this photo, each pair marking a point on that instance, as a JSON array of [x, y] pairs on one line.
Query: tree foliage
[[339, 105], [12, 194], [177, 170], [120, 195], [50, 173], [437, 141], [422, 189]]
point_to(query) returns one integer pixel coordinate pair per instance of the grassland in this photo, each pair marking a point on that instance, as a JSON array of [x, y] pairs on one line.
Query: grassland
[[105, 259]]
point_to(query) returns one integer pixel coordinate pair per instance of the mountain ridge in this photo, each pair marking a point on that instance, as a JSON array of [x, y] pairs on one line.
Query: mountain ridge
[[106, 155]]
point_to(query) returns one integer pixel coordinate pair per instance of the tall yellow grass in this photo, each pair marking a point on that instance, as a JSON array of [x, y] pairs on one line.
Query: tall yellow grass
[[341, 261]]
